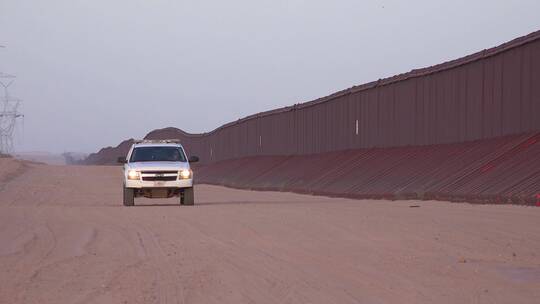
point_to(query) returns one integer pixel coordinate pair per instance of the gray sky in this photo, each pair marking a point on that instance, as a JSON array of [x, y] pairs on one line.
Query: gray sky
[[92, 73]]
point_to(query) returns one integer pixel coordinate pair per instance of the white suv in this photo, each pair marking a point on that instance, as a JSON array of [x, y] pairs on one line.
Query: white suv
[[158, 169]]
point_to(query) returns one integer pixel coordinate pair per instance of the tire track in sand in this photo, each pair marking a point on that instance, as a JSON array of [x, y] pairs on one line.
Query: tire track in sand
[[167, 281]]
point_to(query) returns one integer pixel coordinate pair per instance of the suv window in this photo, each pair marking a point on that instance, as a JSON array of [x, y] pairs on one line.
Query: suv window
[[148, 154]]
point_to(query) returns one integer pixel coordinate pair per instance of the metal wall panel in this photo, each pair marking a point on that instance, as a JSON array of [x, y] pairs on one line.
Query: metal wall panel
[[372, 116], [385, 123], [511, 91], [488, 109], [420, 121], [498, 96], [404, 112], [535, 84], [473, 100], [352, 132]]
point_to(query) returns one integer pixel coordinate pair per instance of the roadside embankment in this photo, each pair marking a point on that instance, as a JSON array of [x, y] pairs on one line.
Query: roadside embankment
[[505, 170], [10, 168]]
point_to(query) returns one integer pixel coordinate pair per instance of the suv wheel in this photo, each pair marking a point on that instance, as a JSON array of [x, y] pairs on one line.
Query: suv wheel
[[187, 197], [129, 197]]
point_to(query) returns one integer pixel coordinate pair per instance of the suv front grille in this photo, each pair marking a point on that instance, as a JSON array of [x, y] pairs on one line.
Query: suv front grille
[[159, 175], [159, 178]]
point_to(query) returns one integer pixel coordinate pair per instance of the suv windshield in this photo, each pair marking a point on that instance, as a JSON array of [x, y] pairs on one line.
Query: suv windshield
[[148, 154]]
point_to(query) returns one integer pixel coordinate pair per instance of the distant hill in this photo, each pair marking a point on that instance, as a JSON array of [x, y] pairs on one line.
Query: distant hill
[[109, 155]]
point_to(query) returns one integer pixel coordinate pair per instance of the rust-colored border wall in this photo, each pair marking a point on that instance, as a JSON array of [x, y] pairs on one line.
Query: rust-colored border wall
[[492, 93]]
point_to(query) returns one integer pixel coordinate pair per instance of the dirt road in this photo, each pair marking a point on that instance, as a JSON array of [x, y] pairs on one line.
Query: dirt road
[[66, 238]]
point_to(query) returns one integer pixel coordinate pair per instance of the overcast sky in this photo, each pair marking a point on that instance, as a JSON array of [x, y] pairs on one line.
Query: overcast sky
[[92, 73]]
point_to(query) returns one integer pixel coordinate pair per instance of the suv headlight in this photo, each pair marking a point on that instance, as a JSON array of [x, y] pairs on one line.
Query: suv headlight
[[184, 174], [132, 174]]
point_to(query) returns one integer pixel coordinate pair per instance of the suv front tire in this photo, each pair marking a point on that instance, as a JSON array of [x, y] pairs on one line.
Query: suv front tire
[[129, 197], [187, 197]]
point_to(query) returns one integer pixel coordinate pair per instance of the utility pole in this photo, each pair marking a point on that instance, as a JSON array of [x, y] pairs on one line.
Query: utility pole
[[8, 114]]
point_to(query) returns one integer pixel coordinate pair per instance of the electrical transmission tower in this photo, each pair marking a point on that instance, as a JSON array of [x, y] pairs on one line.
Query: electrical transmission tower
[[8, 114]]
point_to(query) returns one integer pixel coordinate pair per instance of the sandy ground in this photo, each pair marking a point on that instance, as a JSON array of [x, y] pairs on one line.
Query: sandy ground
[[66, 238]]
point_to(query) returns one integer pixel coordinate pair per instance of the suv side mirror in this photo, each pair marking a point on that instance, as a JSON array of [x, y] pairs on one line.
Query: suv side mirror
[[193, 159], [122, 160]]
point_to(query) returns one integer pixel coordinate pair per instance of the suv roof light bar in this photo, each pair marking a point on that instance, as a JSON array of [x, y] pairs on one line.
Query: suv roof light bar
[[157, 141]]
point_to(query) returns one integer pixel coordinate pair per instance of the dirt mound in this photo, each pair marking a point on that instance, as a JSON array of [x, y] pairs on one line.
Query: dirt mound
[[7, 167], [10, 168], [108, 155]]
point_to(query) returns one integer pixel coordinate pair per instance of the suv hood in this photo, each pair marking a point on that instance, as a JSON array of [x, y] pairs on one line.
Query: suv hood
[[161, 165]]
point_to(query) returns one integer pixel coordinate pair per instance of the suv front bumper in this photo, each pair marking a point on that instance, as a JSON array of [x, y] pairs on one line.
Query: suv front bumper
[[180, 183]]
